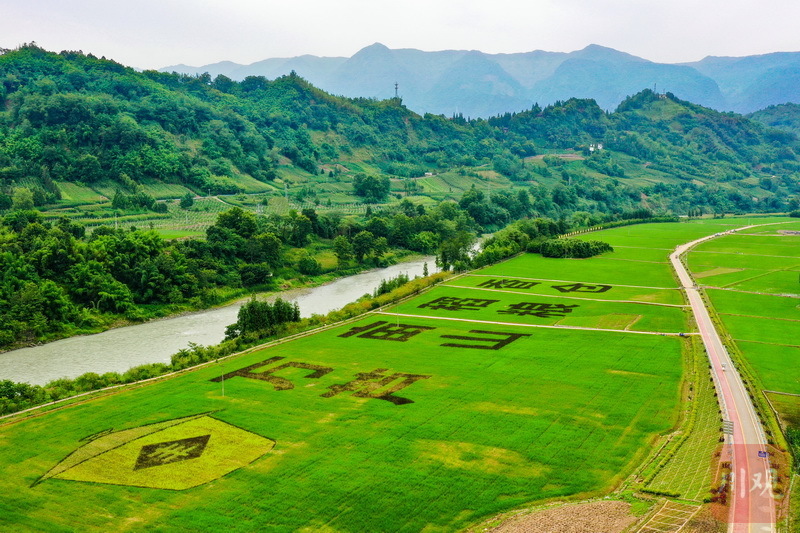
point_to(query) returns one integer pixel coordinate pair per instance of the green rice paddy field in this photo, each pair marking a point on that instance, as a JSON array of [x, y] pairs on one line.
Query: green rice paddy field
[[752, 279], [516, 307], [426, 416], [487, 430]]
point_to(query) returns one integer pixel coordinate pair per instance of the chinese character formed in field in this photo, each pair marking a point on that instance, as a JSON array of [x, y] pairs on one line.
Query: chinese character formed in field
[[582, 287], [369, 385], [508, 284], [384, 331], [458, 304], [538, 309], [277, 382], [493, 343]]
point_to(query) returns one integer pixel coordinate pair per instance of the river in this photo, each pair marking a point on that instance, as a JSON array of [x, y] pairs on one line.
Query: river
[[117, 350]]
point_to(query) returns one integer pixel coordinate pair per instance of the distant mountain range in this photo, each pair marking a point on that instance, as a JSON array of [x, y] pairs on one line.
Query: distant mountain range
[[476, 84]]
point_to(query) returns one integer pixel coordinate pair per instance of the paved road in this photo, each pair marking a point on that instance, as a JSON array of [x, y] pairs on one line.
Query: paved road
[[752, 508]]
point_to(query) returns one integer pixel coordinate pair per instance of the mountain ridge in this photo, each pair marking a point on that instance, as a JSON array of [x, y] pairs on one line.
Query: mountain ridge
[[740, 84]]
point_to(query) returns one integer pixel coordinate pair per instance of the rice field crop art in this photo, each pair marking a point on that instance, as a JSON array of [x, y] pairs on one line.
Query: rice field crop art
[[555, 309], [175, 454], [577, 290], [376, 425]]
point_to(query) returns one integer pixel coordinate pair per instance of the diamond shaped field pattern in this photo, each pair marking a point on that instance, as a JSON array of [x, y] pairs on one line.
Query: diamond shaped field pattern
[[176, 454]]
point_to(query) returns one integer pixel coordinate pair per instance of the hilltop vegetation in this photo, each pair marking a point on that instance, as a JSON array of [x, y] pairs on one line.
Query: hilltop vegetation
[[784, 117], [102, 131]]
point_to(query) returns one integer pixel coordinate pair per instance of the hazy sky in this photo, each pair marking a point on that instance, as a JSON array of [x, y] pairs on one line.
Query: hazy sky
[[157, 33]]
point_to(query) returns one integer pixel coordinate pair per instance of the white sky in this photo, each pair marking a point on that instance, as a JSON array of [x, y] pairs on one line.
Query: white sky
[[157, 33]]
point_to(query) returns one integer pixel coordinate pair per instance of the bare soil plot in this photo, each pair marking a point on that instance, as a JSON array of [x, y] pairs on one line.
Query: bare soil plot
[[605, 516]]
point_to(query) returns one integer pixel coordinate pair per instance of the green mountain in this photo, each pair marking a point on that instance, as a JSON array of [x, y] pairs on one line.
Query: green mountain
[[754, 82], [71, 118], [784, 117], [608, 77]]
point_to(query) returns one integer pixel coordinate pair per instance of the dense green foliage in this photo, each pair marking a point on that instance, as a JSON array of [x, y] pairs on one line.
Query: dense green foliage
[[261, 319], [388, 285], [793, 438], [784, 117], [371, 188], [574, 248], [724, 151]]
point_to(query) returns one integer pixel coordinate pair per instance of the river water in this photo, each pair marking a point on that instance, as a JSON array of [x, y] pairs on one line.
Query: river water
[[117, 350]]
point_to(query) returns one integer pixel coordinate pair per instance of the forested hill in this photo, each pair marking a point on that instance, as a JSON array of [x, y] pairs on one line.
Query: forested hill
[[74, 118], [783, 117]]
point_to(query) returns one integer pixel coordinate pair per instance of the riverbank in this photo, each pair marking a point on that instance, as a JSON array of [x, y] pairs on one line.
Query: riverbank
[[155, 341], [29, 397], [225, 297]]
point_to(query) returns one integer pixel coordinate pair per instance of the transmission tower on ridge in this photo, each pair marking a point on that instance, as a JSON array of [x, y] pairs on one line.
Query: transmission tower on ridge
[[396, 85]]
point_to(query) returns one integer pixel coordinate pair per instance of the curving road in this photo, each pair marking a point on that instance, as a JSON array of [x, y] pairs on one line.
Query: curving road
[[752, 508]]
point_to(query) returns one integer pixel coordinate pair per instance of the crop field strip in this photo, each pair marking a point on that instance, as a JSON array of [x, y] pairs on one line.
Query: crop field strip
[[603, 271], [521, 308], [736, 254], [690, 470], [671, 518], [572, 280], [667, 250], [756, 304], [620, 293], [517, 324], [787, 405], [638, 260], [566, 297]]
